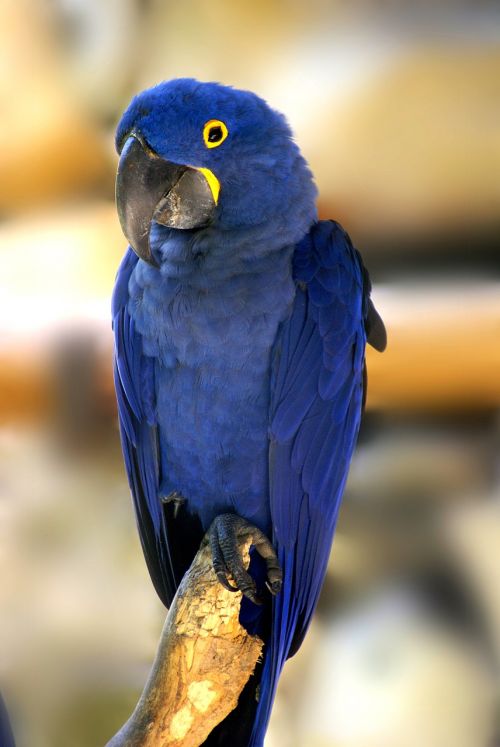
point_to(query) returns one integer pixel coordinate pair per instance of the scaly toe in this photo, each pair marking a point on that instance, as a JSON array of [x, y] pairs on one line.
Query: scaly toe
[[227, 533]]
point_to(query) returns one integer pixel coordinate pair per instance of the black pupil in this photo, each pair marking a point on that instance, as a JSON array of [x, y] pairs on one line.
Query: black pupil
[[215, 134]]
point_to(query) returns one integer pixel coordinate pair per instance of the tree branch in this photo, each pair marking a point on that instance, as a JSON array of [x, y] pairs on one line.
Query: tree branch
[[204, 660]]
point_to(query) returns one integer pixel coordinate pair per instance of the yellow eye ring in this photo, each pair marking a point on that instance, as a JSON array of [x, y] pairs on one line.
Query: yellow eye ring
[[214, 133]]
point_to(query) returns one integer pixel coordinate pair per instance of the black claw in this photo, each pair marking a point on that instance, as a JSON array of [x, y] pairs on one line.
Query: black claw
[[221, 575], [244, 582], [255, 598], [174, 497], [274, 587], [226, 535]]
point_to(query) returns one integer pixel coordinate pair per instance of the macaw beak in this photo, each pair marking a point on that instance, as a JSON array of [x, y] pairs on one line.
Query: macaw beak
[[149, 188]]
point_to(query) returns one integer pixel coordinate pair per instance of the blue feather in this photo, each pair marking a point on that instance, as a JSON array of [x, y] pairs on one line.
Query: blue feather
[[314, 424], [313, 409], [134, 385], [239, 359], [6, 735]]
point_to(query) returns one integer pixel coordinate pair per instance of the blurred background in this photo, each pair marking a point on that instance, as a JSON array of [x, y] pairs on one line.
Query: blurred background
[[397, 107]]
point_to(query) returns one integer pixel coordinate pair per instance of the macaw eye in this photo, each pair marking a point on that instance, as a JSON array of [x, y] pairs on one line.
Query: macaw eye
[[214, 133]]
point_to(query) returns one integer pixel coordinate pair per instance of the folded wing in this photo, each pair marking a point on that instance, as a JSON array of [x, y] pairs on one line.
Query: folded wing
[[316, 405]]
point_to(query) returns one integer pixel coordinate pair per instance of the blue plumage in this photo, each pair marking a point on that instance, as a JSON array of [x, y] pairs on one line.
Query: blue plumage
[[6, 735], [310, 446], [239, 359]]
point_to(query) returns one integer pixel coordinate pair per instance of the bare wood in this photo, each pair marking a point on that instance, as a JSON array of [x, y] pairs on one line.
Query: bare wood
[[204, 660]]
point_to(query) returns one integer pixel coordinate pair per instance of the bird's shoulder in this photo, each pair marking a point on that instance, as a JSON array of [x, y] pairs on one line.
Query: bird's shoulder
[[328, 267], [325, 261]]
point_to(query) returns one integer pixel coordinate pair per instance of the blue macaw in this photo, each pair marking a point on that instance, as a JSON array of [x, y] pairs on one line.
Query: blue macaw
[[240, 324]]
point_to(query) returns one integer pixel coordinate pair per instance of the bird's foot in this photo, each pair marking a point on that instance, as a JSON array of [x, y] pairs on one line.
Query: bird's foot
[[174, 497], [227, 533]]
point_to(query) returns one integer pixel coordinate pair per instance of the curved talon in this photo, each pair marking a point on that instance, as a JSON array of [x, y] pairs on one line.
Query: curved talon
[[274, 587], [225, 583], [255, 598], [275, 577], [174, 497], [226, 534]]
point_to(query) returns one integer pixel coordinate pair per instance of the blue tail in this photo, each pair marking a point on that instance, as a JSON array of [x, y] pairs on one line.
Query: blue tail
[[6, 736]]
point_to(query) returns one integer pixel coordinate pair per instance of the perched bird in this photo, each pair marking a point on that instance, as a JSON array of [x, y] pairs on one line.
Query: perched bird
[[240, 324]]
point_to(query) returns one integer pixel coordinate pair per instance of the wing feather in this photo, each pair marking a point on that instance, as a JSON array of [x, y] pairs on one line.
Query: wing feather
[[134, 375], [316, 405]]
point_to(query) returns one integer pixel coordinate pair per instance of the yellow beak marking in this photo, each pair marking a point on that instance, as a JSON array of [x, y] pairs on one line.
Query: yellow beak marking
[[212, 180]]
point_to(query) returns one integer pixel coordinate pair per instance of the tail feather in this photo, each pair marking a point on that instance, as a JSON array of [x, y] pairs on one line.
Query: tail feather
[[284, 625], [6, 735]]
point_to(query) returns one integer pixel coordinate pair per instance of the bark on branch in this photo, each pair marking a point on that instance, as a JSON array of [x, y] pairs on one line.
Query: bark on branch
[[204, 660]]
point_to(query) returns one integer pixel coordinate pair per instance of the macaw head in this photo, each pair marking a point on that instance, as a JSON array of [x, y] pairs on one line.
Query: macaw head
[[196, 155]]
